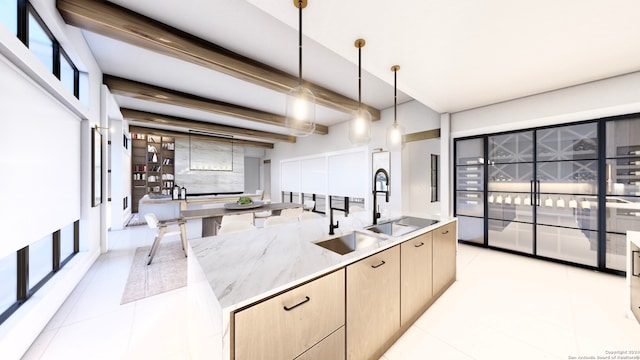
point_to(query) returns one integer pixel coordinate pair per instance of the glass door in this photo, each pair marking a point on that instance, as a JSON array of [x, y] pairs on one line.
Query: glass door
[[510, 191], [623, 188], [566, 193], [470, 185]]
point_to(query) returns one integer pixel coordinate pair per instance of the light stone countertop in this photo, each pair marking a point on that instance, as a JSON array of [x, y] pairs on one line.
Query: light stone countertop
[[228, 272], [248, 266]]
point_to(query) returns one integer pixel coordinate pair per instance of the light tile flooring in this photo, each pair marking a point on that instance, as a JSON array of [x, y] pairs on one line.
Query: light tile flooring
[[503, 306]]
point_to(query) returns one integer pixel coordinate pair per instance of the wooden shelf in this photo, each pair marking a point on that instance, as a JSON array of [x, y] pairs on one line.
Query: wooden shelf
[[150, 176]]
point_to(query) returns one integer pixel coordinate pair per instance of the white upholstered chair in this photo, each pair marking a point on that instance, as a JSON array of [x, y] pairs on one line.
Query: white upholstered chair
[[309, 205], [234, 227], [308, 215], [291, 213], [165, 228], [246, 218], [278, 220]]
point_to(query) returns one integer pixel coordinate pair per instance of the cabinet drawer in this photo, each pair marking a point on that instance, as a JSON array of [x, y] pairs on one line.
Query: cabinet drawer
[[330, 348], [286, 325]]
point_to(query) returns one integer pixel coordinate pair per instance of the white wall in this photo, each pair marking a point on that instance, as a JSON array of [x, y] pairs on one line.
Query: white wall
[[64, 126], [120, 184], [614, 96], [412, 115]]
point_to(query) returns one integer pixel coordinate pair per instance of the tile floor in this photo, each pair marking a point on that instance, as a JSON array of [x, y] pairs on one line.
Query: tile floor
[[503, 306]]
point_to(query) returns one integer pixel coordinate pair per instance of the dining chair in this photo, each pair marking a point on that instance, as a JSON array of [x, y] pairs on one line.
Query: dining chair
[[308, 215], [292, 213], [278, 220], [309, 205], [165, 228], [246, 218], [234, 227]]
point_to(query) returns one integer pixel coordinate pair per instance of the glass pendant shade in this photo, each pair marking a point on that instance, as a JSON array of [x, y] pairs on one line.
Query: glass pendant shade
[[360, 127], [360, 122], [395, 132], [395, 137], [300, 112]]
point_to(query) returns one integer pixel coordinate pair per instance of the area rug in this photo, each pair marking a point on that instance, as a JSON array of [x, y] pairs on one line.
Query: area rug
[[136, 220], [168, 271]]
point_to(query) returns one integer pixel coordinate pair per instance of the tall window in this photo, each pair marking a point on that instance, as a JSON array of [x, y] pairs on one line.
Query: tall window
[[40, 260], [40, 43], [9, 15], [8, 285]]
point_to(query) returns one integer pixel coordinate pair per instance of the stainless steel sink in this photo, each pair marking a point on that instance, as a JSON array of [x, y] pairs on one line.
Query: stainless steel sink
[[347, 243], [390, 228], [401, 226]]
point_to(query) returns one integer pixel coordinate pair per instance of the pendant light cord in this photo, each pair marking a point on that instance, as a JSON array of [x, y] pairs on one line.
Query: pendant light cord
[[359, 77], [300, 44], [395, 97]]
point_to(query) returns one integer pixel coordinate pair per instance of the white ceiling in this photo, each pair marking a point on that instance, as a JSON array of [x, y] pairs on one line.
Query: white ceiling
[[454, 55]]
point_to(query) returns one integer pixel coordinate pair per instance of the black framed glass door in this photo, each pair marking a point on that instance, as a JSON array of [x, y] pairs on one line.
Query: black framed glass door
[[567, 193], [510, 191]]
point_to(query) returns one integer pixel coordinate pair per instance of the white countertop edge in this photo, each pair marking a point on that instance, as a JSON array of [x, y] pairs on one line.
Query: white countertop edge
[[348, 260]]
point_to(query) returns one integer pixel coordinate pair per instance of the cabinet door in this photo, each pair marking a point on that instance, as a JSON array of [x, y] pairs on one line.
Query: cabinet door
[[330, 348], [416, 286], [635, 281], [373, 304], [285, 326], [444, 257]]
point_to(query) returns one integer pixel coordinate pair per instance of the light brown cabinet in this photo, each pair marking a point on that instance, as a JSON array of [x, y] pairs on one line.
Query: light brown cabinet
[[287, 325], [416, 277], [373, 304], [444, 257]]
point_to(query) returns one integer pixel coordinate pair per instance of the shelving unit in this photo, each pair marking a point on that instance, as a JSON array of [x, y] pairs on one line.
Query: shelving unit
[[152, 161]]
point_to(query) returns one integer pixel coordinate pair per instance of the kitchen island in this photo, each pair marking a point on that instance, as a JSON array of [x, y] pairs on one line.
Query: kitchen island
[[229, 275]]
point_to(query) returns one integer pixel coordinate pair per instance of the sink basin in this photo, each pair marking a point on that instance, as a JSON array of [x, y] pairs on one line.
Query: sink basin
[[391, 228], [347, 243], [401, 226]]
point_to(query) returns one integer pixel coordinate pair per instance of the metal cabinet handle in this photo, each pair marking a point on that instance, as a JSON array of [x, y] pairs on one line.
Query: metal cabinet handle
[[418, 245], [633, 263], [377, 266], [445, 232], [306, 300]]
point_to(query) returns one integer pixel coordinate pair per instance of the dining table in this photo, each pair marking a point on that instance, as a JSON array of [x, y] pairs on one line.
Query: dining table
[[212, 217]]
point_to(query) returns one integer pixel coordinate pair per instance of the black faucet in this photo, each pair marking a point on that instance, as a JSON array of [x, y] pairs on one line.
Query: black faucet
[[381, 173], [331, 208]]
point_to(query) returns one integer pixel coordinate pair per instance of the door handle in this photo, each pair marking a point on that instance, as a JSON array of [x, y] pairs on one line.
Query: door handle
[[377, 266], [306, 300], [419, 245], [531, 194], [538, 193], [633, 263]]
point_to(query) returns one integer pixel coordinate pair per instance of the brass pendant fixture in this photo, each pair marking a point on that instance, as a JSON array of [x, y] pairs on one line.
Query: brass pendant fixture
[[395, 133], [300, 111], [360, 122]]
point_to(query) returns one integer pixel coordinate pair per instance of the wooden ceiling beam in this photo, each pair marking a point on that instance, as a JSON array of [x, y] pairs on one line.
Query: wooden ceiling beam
[[177, 134], [142, 91], [114, 21], [166, 120]]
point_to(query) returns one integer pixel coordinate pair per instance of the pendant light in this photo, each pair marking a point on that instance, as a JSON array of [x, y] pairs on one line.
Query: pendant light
[[395, 132], [360, 122], [300, 112]]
